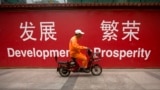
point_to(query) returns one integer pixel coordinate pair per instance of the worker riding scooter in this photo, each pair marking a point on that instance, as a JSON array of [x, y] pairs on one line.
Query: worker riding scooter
[[90, 64]]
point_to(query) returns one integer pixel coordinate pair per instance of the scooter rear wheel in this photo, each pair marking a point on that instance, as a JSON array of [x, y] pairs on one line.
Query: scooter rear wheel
[[64, 72], [96, 70]]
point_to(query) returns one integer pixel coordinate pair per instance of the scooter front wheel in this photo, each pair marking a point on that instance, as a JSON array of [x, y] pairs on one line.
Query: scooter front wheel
[[96, 70], [64, 72]]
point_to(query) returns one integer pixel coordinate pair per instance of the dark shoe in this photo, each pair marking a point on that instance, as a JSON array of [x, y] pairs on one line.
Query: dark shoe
[[86, 70]]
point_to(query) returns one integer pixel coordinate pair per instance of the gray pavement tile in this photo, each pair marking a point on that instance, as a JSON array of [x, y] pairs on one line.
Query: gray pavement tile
[[85, 86], [153, 75], [145, 80], [110, 79], [70, 83], [45, 86], [121, 82]]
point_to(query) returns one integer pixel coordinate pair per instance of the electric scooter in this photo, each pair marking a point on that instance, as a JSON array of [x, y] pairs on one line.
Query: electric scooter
[[66, 67]]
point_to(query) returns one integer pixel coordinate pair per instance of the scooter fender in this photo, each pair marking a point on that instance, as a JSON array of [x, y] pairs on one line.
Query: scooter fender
[[62, 64], [94, 65]]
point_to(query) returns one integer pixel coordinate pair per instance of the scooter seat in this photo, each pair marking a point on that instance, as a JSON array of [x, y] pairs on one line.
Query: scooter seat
[[62, 62]]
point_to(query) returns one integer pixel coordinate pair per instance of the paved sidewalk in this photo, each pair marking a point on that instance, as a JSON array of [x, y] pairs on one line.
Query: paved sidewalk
[[110, 79]]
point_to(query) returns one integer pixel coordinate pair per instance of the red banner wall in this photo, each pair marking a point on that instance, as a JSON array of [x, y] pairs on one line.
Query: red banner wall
[[125, 38]]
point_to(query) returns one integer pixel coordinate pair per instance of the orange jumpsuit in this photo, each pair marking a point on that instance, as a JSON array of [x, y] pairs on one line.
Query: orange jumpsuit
[[74, 50]]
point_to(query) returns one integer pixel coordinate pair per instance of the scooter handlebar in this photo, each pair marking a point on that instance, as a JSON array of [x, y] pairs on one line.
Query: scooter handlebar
[[89, 51]]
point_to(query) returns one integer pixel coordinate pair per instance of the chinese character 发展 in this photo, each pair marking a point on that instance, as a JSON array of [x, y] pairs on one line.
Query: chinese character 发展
[[47, 31], [28, 31]]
